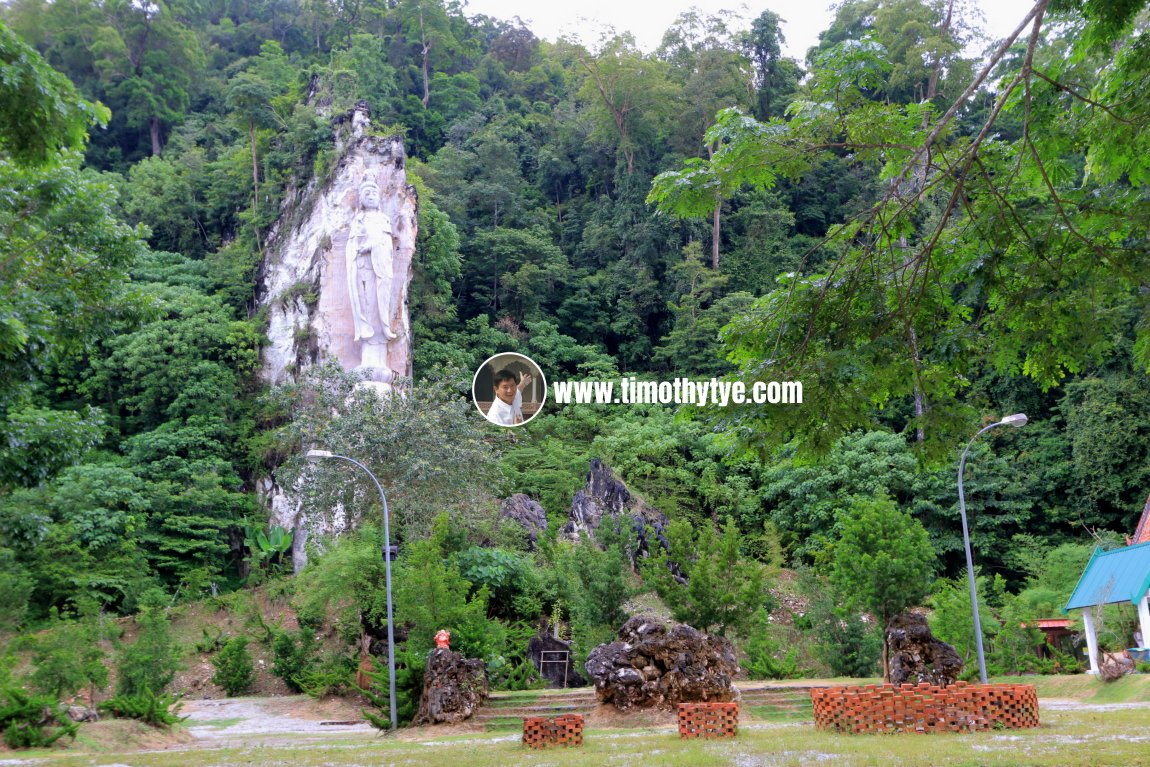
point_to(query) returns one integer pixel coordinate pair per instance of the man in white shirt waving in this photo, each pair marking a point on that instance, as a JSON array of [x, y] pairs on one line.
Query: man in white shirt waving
[[507, 409], [504, 410]]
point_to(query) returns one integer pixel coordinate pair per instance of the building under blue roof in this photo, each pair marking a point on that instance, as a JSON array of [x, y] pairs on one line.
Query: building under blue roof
[[1121, 575]]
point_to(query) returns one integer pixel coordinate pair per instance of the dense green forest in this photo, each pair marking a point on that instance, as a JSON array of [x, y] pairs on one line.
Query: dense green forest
[[929, 240]]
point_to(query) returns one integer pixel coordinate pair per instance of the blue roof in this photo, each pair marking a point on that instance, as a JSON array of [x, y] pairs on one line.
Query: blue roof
[[1121, 575]]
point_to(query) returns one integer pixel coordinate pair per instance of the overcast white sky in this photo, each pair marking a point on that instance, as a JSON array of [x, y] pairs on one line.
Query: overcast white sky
[[648, 19]]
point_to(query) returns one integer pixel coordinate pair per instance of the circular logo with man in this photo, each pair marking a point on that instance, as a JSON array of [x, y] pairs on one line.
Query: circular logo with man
[[509, 389]]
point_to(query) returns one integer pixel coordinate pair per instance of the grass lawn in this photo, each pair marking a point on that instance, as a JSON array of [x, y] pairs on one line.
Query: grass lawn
[[1091, 731], [1067, 739]]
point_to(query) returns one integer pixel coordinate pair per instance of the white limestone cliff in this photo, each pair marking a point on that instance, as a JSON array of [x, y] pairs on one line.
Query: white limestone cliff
[[304, 285]]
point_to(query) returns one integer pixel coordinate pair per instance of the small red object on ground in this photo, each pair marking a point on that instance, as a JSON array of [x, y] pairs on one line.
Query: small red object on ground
[[442, 640], [708, 720], [565, 730], [925, 708]]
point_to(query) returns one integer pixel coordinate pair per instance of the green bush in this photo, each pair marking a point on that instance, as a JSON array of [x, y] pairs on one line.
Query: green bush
[[511, 580], [519, 674], [762, 651], [149, 664], [147, 706], [294, 656], [234, 670], [333, 674], [68, 658], [410, 668], [32, 721]]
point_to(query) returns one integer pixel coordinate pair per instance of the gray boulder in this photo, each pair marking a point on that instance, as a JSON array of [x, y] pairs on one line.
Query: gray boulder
[[604, 499], [655, 664], [556, 673], [527, 512]]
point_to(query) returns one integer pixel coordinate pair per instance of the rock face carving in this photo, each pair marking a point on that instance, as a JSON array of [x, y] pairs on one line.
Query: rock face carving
[[335, 279], [604, 497], [659, 665], [454, 687], [368, 261], [916, 656], [338, 267]]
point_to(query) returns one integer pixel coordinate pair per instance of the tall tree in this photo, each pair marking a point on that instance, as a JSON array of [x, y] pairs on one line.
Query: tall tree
[[715, 76], [425, 24], [904, 308], [883, 563], [63, 256], [776, 76], [149, 65], [630, 94]]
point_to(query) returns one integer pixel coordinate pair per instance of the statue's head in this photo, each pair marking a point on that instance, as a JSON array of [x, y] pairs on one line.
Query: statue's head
[[369, 194]]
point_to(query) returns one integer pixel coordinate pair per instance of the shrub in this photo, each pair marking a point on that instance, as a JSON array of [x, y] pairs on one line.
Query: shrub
[[67, 658], [149, 664], [512, 675], [333, 674], [234, 671], [294, 656], [511, 581], [410, 668], [762, 651], [147, 706], [32, 721], [722, 590]]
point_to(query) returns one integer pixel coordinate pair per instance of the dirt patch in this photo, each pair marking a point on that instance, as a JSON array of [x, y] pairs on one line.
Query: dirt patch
[[230, 719], [253, 614], [606, 715]]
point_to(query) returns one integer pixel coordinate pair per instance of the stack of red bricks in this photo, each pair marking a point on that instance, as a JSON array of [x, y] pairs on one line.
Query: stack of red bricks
[[960, 707], [708, 720], [565, 730]]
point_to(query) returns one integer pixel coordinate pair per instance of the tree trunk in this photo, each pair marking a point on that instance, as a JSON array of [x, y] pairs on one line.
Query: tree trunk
[[919, 399], [255, 166], [154, 129], [932, 84], [715, 224], [885, 658], [426, 80], [715, 236], [426, 60]]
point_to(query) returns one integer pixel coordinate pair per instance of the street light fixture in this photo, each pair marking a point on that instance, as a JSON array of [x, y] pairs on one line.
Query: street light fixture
[[318, 455], [1017, 420]]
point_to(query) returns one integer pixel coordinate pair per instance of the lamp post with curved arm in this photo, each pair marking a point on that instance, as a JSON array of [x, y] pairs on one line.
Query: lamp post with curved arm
[[1017, 420], [318, 455]]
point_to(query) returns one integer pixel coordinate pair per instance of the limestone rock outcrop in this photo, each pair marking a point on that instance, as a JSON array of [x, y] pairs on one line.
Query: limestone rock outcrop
[[606, 500], [304, 280], [546, 653], [454, 688], [655, 664], [527, 512], [916, 656], [334, 283]]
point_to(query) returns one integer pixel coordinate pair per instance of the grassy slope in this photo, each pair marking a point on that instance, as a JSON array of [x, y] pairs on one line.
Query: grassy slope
[[1088, 689]]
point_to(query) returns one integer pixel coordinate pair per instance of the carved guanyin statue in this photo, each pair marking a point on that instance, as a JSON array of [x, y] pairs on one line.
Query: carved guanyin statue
[[336, 284]]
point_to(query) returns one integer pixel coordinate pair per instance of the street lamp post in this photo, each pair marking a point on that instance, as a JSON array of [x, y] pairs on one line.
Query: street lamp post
[[317, 455], [1017, 420]]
